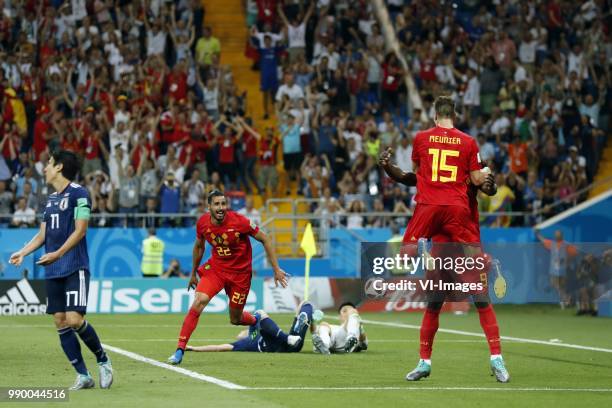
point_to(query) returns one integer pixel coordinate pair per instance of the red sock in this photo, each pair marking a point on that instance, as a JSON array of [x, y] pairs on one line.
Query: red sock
[[189, 325], [429, 327], [247, 319], [488, 322]]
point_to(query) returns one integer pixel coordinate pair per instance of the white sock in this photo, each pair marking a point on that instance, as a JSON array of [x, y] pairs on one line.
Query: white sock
[[494, 356], [352, 325], [324, 334], [427, 361]]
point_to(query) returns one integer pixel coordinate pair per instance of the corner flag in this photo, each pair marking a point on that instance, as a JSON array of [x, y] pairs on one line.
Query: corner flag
[[308, 243], [309, 247]]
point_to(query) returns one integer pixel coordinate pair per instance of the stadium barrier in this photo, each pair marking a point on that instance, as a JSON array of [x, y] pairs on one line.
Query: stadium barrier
[[28, 297], [117, 252]]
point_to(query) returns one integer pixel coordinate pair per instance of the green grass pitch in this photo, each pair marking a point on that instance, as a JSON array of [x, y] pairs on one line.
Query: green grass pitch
[[542, 374]]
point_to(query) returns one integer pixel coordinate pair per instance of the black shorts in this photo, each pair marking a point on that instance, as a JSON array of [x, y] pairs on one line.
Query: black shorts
[[68, 294], [292, 161]]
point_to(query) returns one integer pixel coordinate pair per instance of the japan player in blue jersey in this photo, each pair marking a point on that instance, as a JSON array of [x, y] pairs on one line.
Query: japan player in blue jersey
[[266, 337], [66, 262]]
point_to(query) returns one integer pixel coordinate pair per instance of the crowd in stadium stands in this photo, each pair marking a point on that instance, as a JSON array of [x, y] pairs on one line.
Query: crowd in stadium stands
[[531, 81], [137, 89]]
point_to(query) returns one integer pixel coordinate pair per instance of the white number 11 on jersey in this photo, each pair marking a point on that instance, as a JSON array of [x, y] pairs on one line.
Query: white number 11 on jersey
[[54, 221]]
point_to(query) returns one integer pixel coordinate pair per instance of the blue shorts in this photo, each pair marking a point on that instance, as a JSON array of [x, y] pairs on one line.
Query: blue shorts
[[68, 294]]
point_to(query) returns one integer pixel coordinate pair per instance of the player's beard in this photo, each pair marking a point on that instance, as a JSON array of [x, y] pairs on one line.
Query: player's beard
[[219, 215]]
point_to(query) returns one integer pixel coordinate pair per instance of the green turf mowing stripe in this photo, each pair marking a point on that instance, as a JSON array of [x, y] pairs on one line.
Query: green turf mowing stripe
[[522, 389], [466, 333]]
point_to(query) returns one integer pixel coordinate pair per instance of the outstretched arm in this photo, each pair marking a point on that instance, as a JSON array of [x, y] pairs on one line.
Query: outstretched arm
[[309, 12], [398, 175], [36, 242], [279, 274], [196, 257], [80, 230], [282, 15], [212, 347]]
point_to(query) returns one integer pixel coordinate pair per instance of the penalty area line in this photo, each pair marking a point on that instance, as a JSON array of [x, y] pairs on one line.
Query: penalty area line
[[188, 373], [510, 338]]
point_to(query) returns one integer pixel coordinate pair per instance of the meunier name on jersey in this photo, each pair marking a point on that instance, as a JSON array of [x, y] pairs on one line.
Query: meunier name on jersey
[[444, 139]]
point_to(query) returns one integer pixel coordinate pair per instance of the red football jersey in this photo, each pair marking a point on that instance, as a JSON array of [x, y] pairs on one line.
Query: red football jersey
[[445, 157], [231, 246]]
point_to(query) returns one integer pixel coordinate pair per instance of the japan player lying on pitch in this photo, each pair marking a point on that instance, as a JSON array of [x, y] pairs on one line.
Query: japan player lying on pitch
[[347, 337], [266, 337]]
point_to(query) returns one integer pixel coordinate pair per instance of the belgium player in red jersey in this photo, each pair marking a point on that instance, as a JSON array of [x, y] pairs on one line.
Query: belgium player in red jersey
[[444, 159], [447, 211], [228, 268]]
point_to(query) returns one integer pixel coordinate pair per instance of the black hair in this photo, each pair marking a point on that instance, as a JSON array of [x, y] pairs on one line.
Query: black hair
[[346, 304], [69, 161], [213, 194]]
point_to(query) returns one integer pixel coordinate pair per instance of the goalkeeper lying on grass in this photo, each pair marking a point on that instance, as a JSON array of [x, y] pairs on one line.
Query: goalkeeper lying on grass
[[266, 337], [348, 337]]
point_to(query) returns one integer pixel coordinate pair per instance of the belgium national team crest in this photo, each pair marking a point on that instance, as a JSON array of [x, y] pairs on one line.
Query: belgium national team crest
[[219, 239]]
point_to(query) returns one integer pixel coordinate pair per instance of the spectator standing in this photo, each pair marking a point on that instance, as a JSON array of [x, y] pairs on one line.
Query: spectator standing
[[6, 203], [193, 191], [296, 33], [169, 193], [206, 48], [268, 68], [152, 255], [129, 193], [23, 217], [250, 211], [248, 154], [292, 150], [268, 176]]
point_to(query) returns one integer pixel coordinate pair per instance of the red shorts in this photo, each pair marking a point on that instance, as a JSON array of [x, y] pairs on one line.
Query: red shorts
[[236, 285], [449, 221]]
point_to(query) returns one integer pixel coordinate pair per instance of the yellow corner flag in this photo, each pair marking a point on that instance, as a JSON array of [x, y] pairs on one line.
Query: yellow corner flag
[[309, 246], [308, 243]]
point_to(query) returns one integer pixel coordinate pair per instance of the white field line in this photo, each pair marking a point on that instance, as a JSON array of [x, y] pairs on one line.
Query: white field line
[[510, 338], [409, 388], [188, 373], [232, 386]]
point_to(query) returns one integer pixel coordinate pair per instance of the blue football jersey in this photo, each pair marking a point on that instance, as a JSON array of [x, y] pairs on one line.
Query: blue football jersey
[[59, 215], [252, 342]]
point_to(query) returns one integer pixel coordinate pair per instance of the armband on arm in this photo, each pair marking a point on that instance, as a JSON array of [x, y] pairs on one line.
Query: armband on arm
[[82, 210]]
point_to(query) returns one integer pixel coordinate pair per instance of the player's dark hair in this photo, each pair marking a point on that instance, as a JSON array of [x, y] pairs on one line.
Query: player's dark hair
[[346, 304], [69, 161], [445, 107], [213, 194]]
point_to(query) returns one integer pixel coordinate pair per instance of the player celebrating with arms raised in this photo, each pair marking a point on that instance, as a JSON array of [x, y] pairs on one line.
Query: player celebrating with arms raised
[[66, 262], [229, 266], [462, 196]]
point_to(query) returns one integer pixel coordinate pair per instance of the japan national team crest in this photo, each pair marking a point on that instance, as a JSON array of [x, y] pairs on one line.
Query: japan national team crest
[[63, 203]]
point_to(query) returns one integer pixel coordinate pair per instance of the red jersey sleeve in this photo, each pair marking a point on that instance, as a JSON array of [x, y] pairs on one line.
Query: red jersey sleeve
[[246, 226], [474, 156]]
